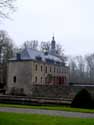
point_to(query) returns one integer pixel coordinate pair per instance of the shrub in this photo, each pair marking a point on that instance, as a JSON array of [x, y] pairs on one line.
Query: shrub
[[82, 100]]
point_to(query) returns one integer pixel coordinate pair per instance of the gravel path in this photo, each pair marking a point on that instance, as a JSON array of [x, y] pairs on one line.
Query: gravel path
[[48, 112]]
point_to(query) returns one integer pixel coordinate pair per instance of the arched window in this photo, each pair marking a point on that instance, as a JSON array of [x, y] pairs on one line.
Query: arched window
[[41, 68], [57, 70], [54, 69], [35, 79], [14, 79], [46, 69], [50, 69]]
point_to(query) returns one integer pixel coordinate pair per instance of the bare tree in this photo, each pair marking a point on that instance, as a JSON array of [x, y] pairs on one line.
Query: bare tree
[[80, 61], [59, 49], [90, 67], [33, 44], [45, 46], [6, 7], [73, 70], [82, 69], [6, 52], [6, 46]]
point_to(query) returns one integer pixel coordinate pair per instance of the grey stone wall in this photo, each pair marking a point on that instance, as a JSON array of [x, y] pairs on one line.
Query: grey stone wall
[[54, 91], [23, 73]]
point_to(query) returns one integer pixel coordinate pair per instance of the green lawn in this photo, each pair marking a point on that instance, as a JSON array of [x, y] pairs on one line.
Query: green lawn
[[64, 108], [33, 119]]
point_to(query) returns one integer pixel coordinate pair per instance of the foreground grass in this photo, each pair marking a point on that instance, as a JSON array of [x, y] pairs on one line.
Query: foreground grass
[[33, 119], [64, 108]]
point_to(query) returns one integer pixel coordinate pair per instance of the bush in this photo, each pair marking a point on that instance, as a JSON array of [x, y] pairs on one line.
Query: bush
[[82, 100]]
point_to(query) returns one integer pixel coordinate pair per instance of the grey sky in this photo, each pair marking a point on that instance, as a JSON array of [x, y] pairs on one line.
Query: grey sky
[[72, 22]]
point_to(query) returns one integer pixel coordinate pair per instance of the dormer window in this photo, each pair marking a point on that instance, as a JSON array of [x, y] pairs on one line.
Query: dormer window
[[38, 58]]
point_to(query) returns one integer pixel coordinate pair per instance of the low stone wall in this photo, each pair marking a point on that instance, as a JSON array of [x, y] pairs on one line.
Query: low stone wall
[[58, 92], [54, 91]]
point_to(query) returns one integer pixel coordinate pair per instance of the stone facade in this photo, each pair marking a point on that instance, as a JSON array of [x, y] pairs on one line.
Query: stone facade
[[20, 75], [23, 74]]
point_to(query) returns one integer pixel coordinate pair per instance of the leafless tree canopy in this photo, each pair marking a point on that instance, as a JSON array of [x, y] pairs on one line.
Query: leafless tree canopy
[[6, 47], [45, 46], [30, 44], [6, 52], [6, 7], [82, 69]]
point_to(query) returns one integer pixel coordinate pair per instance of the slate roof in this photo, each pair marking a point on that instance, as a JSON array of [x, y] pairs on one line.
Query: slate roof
[[31, 54]]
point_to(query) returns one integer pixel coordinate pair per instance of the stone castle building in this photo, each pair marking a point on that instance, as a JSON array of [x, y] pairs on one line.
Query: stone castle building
[[31, 67]]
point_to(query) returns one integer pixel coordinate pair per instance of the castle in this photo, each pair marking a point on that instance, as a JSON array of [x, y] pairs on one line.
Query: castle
[[32, 67]]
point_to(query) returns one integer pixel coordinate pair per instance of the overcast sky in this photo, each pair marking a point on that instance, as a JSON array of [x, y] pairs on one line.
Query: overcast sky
[[71, 22]]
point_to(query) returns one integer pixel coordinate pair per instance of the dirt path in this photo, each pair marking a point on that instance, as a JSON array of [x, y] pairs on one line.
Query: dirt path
[[48, 112]]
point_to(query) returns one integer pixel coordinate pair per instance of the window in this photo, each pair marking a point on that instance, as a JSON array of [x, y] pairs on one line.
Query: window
[[36, 67], [41, 68], [41, 79], [57, 70], [38, 58], [54, 69], [36, 79], [50, 69], [62, 70], [46, 69], [14, 79]]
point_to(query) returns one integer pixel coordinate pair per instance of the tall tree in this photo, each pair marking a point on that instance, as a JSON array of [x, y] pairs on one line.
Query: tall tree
[[90, 67], [73, 70], [80, 68], [6, 52], [6, 47], [33, 44], [45, 46], [59, 49]]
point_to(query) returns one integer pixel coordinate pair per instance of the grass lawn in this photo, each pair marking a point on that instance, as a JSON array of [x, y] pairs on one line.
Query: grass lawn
[[33, 119], [64, 108]]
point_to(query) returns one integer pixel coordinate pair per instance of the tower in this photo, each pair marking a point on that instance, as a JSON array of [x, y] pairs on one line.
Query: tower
[[53, 44]]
